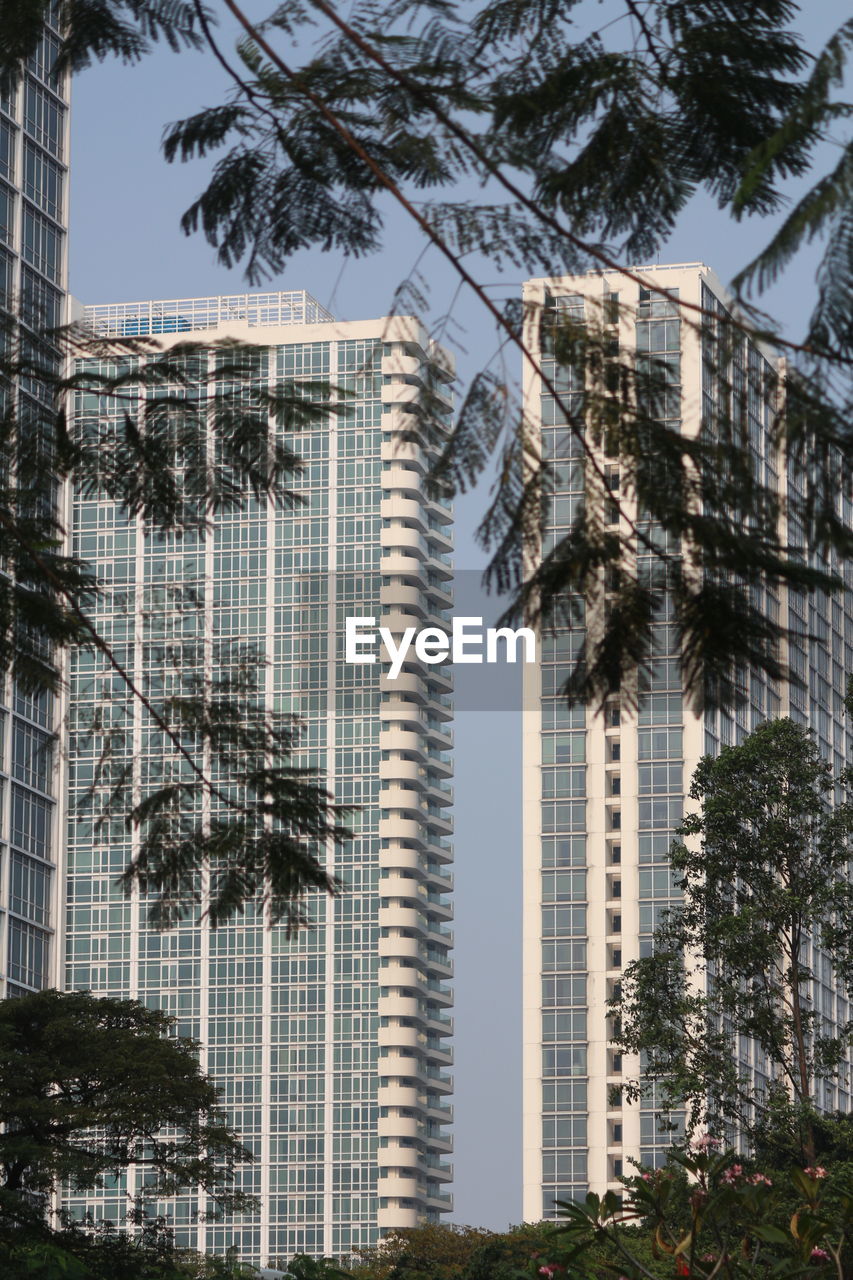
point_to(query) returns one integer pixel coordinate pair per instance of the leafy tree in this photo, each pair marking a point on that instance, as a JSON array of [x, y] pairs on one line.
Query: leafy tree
[[101, 1252], [589, 146], [303, 1267], [763, 866], [586, 142], [235, 444], [578, 139], [448, 1252], [89, 1086], [741, 1225]]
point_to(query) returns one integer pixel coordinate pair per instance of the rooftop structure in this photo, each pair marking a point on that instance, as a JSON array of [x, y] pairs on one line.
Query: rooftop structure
[[185, 315]]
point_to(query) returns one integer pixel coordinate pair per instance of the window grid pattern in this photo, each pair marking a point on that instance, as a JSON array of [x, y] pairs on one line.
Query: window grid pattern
[[290, 1024], [33, 217]]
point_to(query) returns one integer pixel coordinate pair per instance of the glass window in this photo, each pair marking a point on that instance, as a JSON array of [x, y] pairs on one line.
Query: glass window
[[30, 822], [32, 756], [7, 213], [42, 244], [7, 278], [7, 150], [43, 117], [28, 954], [43, 179], [29, 890], [41, 304]]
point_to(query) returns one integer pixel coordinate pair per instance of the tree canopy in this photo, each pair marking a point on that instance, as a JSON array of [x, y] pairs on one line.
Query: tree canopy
[[90, 1086], [763, 869], [585, 139]]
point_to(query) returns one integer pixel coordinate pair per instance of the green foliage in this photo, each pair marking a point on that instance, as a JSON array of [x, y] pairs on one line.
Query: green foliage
[[613, 137], [90, 1252], [94, 30], [739, 1224], [763, 868], [589, 143], [586, 143], [303, 1267], [89, 1086], [434, 1252], [176, 448]]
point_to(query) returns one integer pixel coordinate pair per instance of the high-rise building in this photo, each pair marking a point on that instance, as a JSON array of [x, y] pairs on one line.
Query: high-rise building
[[604, 788], [330, 1045], [34, 125]]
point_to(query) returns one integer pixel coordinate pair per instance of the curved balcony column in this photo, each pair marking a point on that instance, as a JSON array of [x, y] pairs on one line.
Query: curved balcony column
[[403, 564], [392, 1005], [395, 1218], [401, 948], [399, 362], [400, 393], [399, 535], [391, 1184], [395, 857], [401, 1064], [399, 617], [408, 972], [394, 916], [398, 739], [397, 507], [400, 450], [399, 1095], [399, 1157], [401, 1037], [404, 799], [404, 770], [402, 1127], [408, 889], [403, 597], [402, 476], [408, 829]]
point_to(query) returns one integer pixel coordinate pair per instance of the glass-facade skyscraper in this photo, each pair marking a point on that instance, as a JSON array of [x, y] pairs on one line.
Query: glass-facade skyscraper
[[604, 788], [330, 1045], [34, 127]]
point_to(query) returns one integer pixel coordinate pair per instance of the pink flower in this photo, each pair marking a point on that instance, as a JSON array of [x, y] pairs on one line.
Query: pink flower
[[815, 1171], [819, 1255], [706, 1141], [731, 1175], [758, 1179], [548, 1272], [647, 1177]]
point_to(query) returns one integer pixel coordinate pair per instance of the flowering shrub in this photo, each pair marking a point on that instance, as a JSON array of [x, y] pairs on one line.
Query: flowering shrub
[[739, 1224]]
